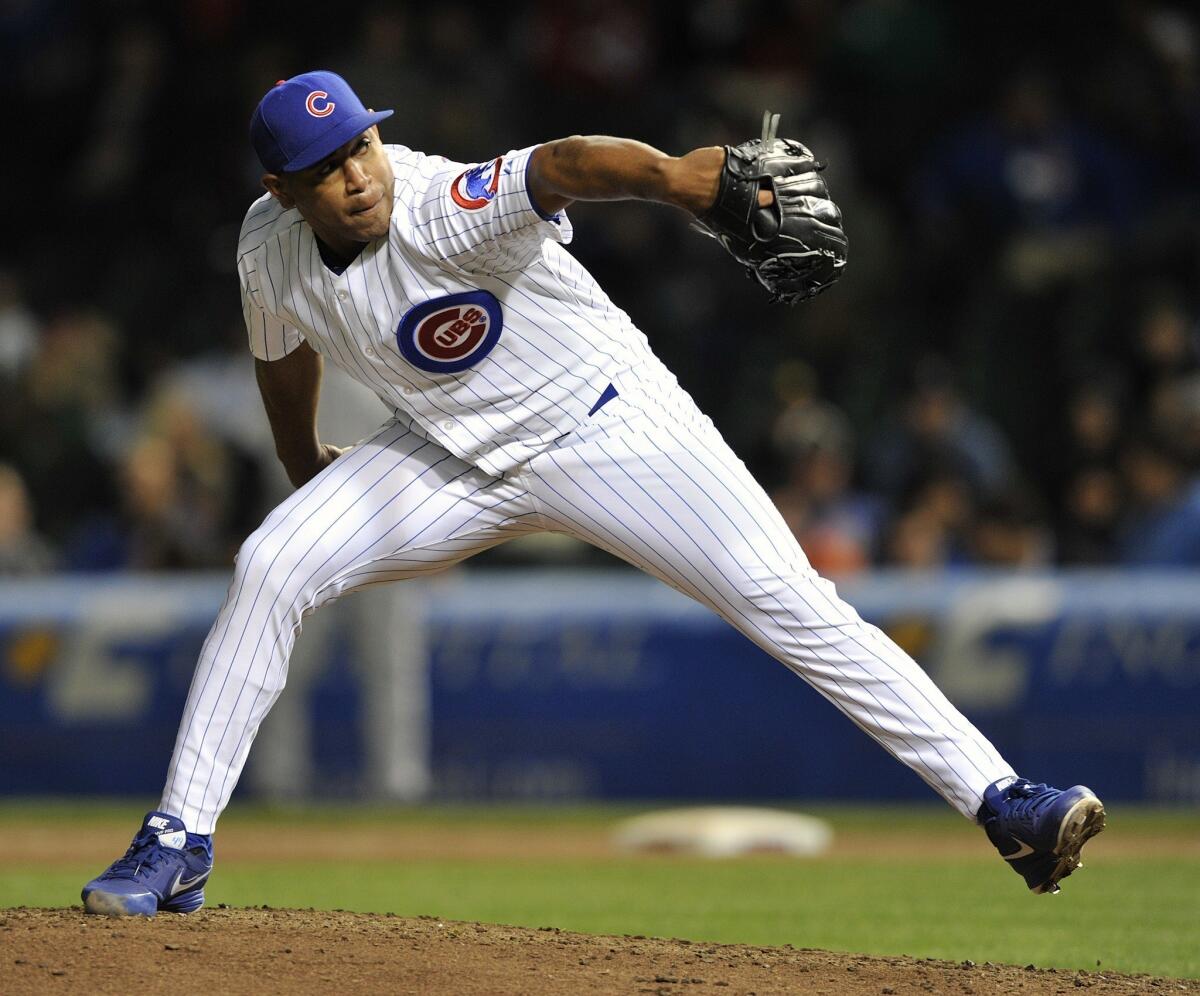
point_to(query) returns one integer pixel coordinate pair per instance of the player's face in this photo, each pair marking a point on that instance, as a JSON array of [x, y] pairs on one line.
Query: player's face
[[346, 197]]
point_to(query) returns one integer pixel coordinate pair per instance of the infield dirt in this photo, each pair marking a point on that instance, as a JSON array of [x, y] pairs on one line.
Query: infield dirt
[[264, 951]]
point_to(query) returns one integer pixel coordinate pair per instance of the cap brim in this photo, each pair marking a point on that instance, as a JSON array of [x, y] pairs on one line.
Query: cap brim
[[333, 139]]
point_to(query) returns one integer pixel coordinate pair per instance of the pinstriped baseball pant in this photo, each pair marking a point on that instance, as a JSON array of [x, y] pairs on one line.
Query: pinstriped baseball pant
[[671, 499]]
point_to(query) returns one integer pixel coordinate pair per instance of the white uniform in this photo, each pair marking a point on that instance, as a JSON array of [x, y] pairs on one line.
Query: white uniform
[[524, 401]]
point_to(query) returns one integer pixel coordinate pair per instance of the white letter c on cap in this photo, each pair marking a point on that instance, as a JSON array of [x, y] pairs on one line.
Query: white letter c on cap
[[310, 104]]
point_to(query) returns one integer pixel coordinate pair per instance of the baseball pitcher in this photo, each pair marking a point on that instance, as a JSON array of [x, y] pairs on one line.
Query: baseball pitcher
[[523, 400]]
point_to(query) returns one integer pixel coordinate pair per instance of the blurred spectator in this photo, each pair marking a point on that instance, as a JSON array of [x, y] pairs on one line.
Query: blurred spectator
[[177, 485], [1083, 480], [1009, 531], [916, 541], [1025, 211], [1092, 505], [836, 526], [22, 550], [65, 421], [18, 330], [1168, 372], [1162, 526], [1174, 413], [171, 520], [1094, 421], [936, 427], [1164, 340], [931, 529], [1019, 207], [1040, 186]]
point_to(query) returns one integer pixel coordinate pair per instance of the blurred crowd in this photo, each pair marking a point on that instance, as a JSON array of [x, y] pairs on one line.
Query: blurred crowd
[[1009, 373]]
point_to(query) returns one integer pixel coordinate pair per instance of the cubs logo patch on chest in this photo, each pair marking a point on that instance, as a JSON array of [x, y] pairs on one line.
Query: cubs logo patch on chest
[[451, 333]]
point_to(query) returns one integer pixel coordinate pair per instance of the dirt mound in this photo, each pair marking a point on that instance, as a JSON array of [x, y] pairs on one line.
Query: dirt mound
[[265, 951]]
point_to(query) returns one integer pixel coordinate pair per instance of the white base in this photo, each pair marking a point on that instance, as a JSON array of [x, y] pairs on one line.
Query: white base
[[725, 831]]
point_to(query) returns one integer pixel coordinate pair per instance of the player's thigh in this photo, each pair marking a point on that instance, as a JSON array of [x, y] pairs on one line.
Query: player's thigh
[[683, 507], [396, 505]]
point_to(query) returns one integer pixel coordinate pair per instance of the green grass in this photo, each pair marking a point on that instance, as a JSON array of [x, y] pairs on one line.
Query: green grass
[[1128, 914], [902, 818]]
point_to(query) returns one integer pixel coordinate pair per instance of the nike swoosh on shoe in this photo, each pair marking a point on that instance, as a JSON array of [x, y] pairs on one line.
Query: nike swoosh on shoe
[[1024, 851], [179, 885]]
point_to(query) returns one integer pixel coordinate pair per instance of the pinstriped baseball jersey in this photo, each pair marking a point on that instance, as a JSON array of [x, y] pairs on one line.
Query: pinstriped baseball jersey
[[470, 317], [525, 401]]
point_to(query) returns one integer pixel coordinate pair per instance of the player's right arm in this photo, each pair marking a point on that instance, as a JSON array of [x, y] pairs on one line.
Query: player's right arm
[[288, 371], [291, 388]]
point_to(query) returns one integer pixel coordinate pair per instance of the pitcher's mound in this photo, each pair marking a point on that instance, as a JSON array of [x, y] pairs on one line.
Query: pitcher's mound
[[264, 951]]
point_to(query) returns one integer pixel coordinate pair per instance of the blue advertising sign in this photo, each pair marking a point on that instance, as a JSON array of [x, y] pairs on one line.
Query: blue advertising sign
[[608, 684]]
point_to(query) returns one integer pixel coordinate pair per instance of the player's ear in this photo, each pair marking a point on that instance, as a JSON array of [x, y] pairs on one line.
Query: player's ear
[[278, 189]]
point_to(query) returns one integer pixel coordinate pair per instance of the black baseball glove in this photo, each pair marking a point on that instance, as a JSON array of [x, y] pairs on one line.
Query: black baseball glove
[[796, 247]]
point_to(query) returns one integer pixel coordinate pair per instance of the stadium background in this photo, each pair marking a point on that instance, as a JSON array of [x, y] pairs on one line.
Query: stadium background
[[988, 432], [1005, 390]]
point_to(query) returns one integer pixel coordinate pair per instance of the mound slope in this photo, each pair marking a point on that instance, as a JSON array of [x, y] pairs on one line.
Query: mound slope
[[265, 951]]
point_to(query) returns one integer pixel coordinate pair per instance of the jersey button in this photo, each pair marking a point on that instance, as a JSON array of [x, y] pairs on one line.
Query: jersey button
[[342, 295], [408, 390], [447, 426], [369, 351], [486, 448]]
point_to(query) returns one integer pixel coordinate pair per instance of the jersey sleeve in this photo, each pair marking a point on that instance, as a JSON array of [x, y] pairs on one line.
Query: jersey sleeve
[[270, 338], [481, 217]]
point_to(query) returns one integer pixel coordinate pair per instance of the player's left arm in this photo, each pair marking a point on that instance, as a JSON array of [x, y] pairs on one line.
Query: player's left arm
[[601, 168], [496, 215], [764, 200]]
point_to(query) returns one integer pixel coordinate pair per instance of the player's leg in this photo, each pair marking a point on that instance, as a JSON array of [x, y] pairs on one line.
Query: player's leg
[[677, 502], [396, 506], [681, 506]]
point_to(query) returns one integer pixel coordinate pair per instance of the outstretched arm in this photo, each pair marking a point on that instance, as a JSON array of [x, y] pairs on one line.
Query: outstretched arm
[[599, 168], [763, 200], [290, 389]]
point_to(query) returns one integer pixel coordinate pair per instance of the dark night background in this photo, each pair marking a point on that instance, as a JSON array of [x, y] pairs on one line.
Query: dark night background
[[1007, 374]]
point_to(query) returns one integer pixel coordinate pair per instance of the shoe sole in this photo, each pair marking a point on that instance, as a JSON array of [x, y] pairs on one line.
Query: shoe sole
[[1083, 821], [115, 904]]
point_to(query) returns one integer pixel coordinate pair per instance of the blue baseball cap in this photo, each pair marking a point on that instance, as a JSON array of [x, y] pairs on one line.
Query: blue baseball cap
[[302, 120]]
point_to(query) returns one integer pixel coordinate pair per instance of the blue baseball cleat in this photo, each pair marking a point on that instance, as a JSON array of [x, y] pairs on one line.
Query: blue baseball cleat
[[1040, 830], [165, 869]]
